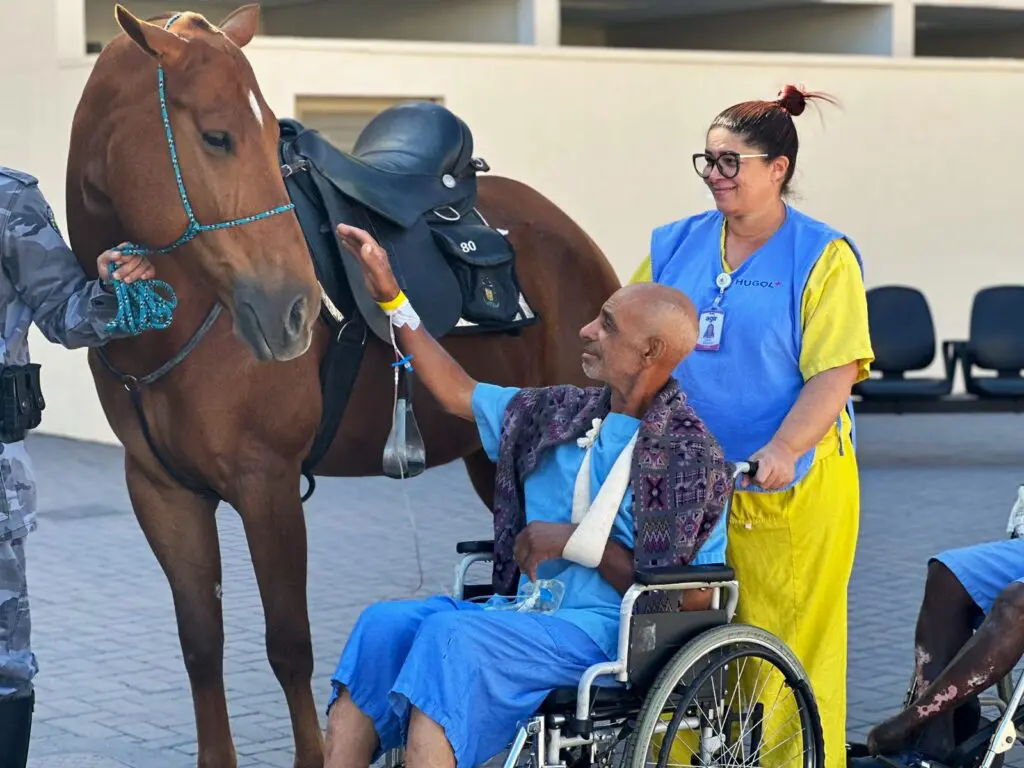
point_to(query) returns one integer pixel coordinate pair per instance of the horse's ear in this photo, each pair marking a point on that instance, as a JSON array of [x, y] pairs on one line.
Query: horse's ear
[[162, 45], [241, 24]]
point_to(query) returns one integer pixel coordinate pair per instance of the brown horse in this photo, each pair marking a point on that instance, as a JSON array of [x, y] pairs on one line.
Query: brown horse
[[238, 412]]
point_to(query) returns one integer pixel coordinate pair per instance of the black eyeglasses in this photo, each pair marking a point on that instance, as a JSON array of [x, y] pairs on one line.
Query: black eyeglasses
[[728, 163]]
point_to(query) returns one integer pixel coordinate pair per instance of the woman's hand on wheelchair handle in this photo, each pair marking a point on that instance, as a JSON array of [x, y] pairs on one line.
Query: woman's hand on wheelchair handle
[[776, 467]]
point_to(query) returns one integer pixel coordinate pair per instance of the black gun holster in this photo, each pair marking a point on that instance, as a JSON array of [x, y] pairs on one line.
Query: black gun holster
[[21, 401]]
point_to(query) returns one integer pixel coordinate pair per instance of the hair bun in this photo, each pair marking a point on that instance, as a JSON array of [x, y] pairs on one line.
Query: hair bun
[[793, 100]]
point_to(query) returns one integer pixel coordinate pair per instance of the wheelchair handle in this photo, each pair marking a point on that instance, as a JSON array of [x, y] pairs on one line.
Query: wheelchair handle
[[748, 468]]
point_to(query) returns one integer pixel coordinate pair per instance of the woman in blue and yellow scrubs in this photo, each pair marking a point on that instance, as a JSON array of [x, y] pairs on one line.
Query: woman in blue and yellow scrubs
[[783, 339]]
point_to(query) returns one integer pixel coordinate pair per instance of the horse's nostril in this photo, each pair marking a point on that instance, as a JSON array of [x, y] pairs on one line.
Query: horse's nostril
[[297, 316]]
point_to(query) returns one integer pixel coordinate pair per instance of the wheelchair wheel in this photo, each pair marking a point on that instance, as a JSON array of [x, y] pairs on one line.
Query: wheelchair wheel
[[716, 705]]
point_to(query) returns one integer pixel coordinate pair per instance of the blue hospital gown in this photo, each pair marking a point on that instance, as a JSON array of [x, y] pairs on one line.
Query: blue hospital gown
[[478, 673], [590, 602], [986, 569]]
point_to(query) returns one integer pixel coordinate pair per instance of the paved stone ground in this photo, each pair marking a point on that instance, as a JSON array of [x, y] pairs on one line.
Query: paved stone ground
[[112, 691]]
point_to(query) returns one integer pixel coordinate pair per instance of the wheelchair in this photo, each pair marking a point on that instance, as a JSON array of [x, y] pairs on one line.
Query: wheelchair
[[987, 747], [676, 677], [977, 747]]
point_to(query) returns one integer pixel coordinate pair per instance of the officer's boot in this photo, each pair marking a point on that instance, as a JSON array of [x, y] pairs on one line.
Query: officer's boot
[[15, 730]]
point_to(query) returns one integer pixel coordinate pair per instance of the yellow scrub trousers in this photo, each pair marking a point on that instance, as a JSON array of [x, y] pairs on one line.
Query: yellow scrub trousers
[[793, 554]]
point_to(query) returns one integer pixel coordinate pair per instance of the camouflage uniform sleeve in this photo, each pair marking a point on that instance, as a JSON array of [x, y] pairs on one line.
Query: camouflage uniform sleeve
[[67, 307]]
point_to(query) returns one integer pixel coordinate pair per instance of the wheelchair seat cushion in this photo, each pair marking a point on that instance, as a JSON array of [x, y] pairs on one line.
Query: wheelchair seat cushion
[[562, 701]]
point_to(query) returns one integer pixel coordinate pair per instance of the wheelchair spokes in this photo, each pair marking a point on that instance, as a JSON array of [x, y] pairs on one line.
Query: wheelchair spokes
[[741, 706]]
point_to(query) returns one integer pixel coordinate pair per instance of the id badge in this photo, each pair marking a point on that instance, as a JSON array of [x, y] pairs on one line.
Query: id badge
[[709, 334]]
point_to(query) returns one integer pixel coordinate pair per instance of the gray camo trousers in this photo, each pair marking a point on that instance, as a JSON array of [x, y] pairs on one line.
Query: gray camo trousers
[[17, 662]]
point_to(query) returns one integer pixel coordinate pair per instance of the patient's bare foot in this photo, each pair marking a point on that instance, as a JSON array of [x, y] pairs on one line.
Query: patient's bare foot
[[891, 736]]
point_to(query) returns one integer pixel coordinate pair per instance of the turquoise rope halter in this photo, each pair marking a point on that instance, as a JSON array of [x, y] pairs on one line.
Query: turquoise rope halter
[[140, 306]]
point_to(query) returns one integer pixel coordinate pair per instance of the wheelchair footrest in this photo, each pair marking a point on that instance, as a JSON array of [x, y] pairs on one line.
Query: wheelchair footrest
[[517, 747]]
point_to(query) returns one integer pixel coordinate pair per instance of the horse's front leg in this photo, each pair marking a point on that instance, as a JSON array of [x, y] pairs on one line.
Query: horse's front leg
[[182, 532], [271, 509]]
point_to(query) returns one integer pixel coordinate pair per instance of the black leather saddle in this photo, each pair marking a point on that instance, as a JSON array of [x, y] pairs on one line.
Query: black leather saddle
[[411, 181], [409, 160]]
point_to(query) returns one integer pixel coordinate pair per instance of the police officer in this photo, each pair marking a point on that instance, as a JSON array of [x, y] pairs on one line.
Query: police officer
[[40, 282]]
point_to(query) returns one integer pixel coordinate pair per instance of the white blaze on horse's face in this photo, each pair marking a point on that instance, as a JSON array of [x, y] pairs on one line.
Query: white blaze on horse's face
[[256, 110]]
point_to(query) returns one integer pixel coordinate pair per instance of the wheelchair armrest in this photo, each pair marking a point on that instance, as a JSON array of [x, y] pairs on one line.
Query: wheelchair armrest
[[684, 574], [474, 547]]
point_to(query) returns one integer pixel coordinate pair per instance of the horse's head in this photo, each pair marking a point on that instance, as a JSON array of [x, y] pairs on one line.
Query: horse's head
[[226, 139]]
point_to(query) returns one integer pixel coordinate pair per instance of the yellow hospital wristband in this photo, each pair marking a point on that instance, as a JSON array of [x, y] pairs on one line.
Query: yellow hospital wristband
[[395, 303]]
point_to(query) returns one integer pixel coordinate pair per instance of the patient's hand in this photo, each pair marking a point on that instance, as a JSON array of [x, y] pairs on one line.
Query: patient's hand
[[696, 600], [539, 542], [380, 280]]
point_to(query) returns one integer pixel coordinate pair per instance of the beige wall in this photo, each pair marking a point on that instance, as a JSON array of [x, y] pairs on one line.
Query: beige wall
[[911, 167]]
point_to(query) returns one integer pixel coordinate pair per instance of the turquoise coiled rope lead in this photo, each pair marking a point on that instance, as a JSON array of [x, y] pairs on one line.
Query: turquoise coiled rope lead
[[140, 305]]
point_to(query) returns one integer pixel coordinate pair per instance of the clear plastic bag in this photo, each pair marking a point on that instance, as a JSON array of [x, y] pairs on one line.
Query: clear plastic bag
[[541, 596], [1015, 526]]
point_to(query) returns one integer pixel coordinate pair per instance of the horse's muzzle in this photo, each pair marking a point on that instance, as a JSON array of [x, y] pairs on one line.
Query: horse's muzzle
[[276, 325]]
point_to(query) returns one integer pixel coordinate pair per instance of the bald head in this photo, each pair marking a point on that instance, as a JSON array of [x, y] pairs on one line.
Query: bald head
[[664, 313], [643, 332]]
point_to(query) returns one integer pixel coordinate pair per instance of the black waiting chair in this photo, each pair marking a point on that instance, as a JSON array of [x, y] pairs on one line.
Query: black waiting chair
[[996, 343], [903, 339]]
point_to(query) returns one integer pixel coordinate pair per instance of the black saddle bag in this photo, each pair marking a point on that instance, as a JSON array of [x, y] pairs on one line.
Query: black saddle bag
[[484, 266]]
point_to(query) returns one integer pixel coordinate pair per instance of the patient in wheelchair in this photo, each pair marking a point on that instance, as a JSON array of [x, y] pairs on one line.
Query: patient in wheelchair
[[970, 634], [591, 484]]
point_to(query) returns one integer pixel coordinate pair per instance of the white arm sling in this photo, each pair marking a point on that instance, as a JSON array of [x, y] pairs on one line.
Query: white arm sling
[[594, 521]]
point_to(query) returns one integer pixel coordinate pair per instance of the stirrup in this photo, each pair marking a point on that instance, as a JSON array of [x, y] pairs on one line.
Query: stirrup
[[404, 452]]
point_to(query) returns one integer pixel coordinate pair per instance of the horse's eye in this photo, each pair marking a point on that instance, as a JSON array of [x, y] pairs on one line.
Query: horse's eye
[[218, 140]]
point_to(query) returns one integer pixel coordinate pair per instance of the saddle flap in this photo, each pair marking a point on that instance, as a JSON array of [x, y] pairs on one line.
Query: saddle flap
[[418, 266]]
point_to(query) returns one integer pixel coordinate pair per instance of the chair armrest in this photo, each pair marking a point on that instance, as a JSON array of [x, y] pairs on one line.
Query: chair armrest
[[474, 547], [954, 351], [684, 574]]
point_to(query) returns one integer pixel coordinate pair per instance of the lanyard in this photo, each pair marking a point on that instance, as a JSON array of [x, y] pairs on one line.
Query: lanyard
[[723, 281]]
